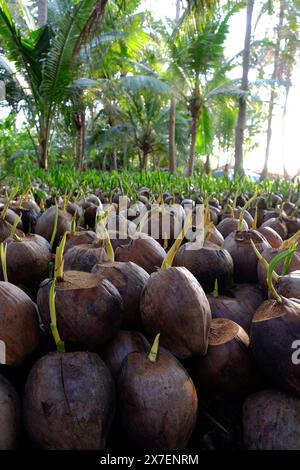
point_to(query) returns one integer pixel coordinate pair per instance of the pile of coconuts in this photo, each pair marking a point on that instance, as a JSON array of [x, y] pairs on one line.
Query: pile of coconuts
[[113, 339]]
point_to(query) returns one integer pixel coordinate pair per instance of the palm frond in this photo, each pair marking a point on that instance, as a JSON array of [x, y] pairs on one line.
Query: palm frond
[[57, 71]]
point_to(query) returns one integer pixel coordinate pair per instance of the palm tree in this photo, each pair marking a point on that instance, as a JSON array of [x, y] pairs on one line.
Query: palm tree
[[46, 57], [241, 121], [196, 50]]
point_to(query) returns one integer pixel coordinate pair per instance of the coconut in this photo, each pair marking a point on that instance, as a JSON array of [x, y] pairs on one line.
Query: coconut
[[18, 324], [174, 303], [277, 224], [157, 402], [84, 257], [228, 226], [207, 263], [228, 366], [130, 280], [45, 224], [244, 259], [271, 236], [275, 327], [69, 402], [88, 309], [83, 237], [143, 251], [27, 261]]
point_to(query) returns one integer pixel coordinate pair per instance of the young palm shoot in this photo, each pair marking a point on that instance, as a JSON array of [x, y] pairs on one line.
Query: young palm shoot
[[263, 261], [54, 227], [59, 260], [9, 199], [248, 204], [169, 258], [14, 228], [152, 356], [3, 252], [60, 345], [103, 235], [216, 290], [272, 266]]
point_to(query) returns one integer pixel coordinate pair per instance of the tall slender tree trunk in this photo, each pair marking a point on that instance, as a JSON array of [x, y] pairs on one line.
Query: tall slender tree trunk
[[273, 94], [241, 121], [172, 122], [172, 144], [44, 142], [42, 13], [80, 138], [145, 154], [195, 108], [207, 165], [287, 91]]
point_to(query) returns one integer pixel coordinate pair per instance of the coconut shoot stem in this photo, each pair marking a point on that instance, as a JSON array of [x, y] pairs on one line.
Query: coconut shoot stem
[[216, 290], [14, 227], [9, 199], [169, 258], [254, 224], [290, 241], [272, 266], [54, 227], [248, 204], [264, 262], [59, 259], [103, 234], [288, 260], [60, 345], [3, 252], [152, 356], [73, 223]]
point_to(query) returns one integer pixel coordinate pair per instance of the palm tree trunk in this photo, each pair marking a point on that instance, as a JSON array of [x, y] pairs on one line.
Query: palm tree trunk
[[273, 95], [172, 122], [42, 13], [172, 144], [287, 91], [264, 172], [195, 108], [145, 154], [207, 165], [241, 121], [80, 138], [44, 143]]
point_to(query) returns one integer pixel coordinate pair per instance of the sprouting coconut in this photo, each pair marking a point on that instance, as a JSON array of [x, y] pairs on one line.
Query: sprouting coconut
[[275, 327], [19, 328], [69, 398], [52, 224], [228, 366], [89, 308], [27, 260], [174, 303], [157, 400]]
